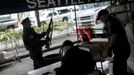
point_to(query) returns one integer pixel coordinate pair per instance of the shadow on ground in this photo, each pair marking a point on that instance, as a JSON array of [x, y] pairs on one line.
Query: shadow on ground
[[5, 66]]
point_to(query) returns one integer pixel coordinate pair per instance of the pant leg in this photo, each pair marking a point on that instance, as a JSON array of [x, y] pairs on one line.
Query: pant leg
[[33, 57], [119, 67], [121, 55], [40, 60], [120, 64], [35, 65], [37, 58]]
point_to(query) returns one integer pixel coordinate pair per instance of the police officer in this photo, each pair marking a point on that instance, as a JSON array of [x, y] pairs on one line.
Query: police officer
[[33, 43], [118, 42]]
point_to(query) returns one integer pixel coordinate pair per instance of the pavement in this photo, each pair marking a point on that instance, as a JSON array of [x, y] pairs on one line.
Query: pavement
[[19, 68]]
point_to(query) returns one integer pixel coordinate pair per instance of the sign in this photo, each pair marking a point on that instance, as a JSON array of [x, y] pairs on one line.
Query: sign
[[14, 6]]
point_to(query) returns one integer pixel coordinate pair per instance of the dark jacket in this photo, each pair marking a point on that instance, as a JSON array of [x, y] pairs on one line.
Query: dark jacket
[[32, 40], [76, 62]]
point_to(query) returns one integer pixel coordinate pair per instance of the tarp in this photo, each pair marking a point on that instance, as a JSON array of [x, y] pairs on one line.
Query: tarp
[[14, 6]]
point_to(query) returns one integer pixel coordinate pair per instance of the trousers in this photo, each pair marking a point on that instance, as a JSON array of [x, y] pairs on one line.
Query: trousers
[[38, 61]]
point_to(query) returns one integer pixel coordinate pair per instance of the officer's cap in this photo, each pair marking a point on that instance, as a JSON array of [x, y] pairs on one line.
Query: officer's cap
[[26, 20]]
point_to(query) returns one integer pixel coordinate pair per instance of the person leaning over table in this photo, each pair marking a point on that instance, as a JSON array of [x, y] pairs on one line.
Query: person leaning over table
[[75, 60], [33, 43], [118, 41]]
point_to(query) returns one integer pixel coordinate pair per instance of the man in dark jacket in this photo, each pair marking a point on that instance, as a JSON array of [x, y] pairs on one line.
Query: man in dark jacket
[[33, 43], [118, 42], [75, 60]]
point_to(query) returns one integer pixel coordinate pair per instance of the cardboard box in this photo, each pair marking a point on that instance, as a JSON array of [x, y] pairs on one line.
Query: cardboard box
[[98, 50]]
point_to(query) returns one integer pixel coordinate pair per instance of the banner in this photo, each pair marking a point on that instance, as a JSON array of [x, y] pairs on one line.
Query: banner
[[14, 6]]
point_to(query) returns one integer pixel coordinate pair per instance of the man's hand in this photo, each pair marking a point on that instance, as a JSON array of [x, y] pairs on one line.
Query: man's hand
[[109, 52]]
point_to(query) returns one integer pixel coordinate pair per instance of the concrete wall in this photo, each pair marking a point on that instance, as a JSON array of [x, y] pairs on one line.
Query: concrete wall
[[131, 41], [122, 12]]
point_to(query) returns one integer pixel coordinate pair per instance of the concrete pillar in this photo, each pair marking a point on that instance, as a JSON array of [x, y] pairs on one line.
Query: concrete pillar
[[131, 41]]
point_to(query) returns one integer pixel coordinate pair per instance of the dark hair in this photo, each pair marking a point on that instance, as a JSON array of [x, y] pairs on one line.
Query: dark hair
[[67, 43], [102, 12]]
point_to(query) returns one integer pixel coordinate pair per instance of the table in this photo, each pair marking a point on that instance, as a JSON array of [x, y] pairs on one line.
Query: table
[[102, 40], [50, 68]]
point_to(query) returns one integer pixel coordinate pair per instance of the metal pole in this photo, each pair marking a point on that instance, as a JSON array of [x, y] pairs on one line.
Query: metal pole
[[76, 22], [128, 20], [37, 17]]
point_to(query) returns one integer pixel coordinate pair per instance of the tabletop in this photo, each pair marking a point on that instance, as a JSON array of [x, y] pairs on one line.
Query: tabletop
[[47, 70]]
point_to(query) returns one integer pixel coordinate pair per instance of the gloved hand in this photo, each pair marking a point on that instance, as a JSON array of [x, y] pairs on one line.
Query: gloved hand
[[109, 52]]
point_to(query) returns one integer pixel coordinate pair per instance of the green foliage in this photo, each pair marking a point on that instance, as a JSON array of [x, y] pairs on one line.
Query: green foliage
[[10, 34], [37, 29], [60, 26]]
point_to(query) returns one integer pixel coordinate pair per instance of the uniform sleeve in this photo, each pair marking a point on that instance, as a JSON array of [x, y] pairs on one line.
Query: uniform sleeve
[[34, 40], [37, 35], [36, 43]]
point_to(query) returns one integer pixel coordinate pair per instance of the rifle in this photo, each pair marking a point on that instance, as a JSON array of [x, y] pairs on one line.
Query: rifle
[[49, 34]]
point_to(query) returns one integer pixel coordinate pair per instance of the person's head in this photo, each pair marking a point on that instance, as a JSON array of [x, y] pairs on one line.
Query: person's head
[[103, 15], [26, 23], [67, 44]]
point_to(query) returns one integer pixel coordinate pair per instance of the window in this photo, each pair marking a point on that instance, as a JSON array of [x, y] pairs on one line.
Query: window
[[63, 11], [49, 15], [54, 13]]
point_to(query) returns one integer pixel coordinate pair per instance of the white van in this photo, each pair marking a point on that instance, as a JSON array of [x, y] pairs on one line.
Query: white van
[[88, 16]]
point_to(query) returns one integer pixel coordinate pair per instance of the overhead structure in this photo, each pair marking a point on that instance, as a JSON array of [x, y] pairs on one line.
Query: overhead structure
[[14, 6]]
